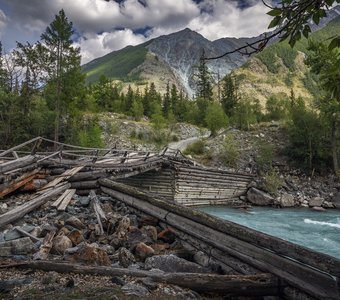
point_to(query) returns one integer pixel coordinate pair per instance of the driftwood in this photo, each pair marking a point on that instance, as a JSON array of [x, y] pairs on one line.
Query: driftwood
[[45, 248], [252, 285], [13, 185], [238, 241], [27, 207]]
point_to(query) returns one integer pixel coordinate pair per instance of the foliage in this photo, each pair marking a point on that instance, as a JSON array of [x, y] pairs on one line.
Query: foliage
[[230, 153], [203, 80], [196, 148], [277, 107], [264, 157], [272, 182], [90, 136], [247, 112], [229, 95], [215, 118]]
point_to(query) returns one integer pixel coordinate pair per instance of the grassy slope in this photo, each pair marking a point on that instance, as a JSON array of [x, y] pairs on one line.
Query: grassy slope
[[117, 64], [279, 68]]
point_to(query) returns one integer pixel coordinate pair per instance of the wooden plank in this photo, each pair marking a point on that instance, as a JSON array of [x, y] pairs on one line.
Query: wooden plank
[[15, 184], [67, 174], [27, 207], [60, 199], [63, 204]]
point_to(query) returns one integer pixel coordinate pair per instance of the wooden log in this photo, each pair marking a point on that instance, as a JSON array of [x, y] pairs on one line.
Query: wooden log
[[64, 202], [17, 163], [4, 153], [89, 176], [46, 246], [13, 185], [23, 232], [251, 285], [98, 210], [219, 233], [27, 207], [85, 185]]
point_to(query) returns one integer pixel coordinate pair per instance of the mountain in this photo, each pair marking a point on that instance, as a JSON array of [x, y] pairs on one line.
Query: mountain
[[278, 69], [173, 58]]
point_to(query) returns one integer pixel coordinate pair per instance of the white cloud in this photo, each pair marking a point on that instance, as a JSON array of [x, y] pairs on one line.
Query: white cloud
[[3, 21], [96, 45], [226, 19]]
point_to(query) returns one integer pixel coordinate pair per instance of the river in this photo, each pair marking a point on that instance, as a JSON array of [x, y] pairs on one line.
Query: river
[[319, 231]]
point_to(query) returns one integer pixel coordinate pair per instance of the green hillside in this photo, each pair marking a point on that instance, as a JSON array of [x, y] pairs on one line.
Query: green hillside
[[117, 64], [280, 68]]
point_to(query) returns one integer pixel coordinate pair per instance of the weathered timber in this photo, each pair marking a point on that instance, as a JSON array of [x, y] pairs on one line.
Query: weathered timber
[[85, 185], [89, 176], [46, 246], [251, 285], [217, 233], [66, 200], [17, 163], [27, 207], [19, 146], [25, 233], [98, 210], [20, 181]]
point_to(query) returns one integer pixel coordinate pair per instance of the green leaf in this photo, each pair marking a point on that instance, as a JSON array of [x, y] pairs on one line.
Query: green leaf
[[274, 22], [329, 2], [306, 31], [335, 43], [316, 18], [274, 12]]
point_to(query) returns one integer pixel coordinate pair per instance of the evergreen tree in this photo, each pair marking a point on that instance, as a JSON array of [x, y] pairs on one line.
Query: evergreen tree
[[62, 67], [129, 97], [229, 95], [166, 101], [174, 99], [204, 80]]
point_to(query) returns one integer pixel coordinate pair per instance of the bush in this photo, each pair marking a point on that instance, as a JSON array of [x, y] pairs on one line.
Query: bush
[[264, 157], [196, 148], [276, 107], [91, 136], [272, 182], [247, 112], [230, 153], [215, 118]]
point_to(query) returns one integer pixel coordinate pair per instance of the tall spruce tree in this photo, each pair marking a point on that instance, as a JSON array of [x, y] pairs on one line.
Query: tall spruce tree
[[204, 80], [62, 67], [229, 95]]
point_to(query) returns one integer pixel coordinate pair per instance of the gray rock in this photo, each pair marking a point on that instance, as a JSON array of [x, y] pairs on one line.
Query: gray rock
[[258, 197], [19, 246], [125, 257], [316, 201], [134, 289], [318, 208], [172, 264], [287, 200], [14, 234], [75, 222], [84, 201], [336, 200]]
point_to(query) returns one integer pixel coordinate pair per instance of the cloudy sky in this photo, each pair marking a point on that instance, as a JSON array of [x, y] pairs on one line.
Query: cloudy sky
[[103, 26]]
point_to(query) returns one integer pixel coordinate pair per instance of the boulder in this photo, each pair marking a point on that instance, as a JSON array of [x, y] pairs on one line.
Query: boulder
[[89, 254], [134, 289], [167, 235], [76, 237], [336, 200], [258, 197], [144, 251], [125, 257], [172, 264], [18, 246], [287, 200], [316, 201], [60, 244], [75, 222], [14, 234], [150, 231], [318, 208]]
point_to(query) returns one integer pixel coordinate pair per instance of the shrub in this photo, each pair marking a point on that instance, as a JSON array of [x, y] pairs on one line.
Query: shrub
[[272, 182], [230, 152], [264, 157], [215, 118], [196, 148]]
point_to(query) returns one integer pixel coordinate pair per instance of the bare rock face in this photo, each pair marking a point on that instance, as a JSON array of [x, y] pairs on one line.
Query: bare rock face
[[287, 200], [316, 201], [89, 254], [60, 244], [258, 197]]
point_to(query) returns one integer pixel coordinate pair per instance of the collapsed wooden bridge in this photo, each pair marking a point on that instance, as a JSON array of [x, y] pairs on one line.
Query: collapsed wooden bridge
[[160, 185]]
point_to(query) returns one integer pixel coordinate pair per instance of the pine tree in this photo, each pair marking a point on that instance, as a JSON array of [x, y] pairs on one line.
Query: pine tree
[[62, 66], [229, 95], [174, 99], [166, 101], [204, 80]]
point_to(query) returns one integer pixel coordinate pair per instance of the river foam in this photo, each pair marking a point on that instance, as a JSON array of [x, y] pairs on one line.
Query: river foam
[[309, 221]]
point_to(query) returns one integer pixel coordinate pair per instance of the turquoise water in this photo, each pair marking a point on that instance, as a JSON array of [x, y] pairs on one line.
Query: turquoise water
[[319, 231]]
